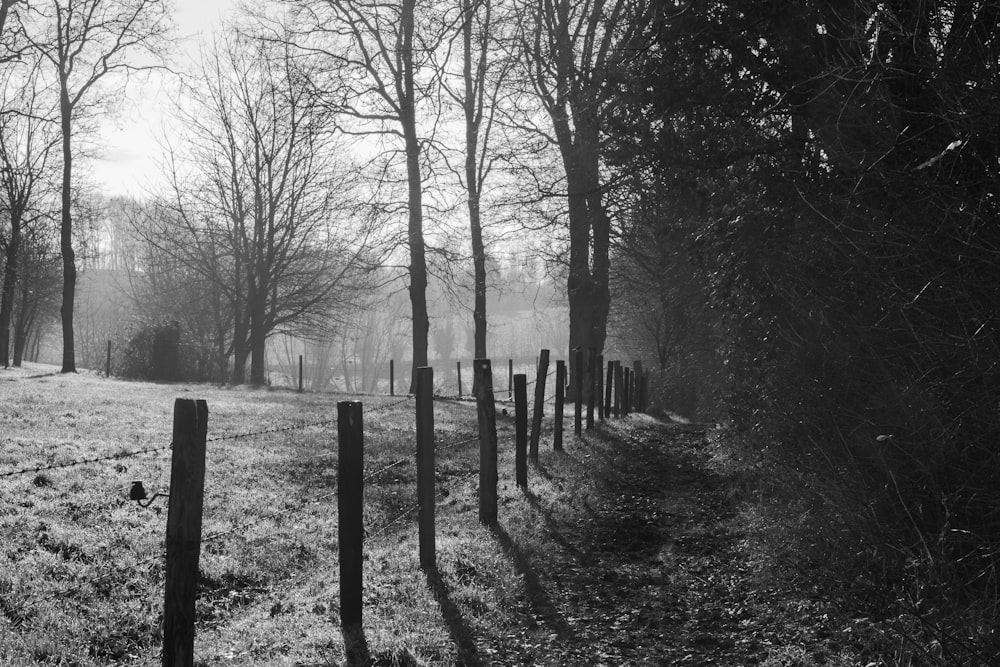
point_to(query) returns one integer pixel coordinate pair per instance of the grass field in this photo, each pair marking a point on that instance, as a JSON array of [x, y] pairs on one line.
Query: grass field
[[81, 571], [635, 546]]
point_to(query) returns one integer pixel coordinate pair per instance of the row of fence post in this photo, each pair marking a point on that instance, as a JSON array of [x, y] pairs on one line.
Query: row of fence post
[[633, 385], [624, 392]]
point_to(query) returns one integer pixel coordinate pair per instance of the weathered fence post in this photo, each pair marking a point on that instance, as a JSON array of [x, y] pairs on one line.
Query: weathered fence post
[[510, 379], [300, 373], [187, 494], [425, 465], [578, 392], [521, 429], [626, 391], [107, 365], [637, 375], [557, 436], [458, 373], [610, 383], [392, 377], [591, 390], [487, 413], [599, 387], [644, 390], [536, 416], [618, 389], [350, 505]]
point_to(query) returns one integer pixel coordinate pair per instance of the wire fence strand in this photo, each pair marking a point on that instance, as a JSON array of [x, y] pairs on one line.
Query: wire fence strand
[[80, 462]]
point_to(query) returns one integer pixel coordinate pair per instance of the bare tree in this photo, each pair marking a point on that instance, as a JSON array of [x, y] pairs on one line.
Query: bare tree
[[482, 79], [569, 48], [256, 197], [85, 42], [28, 134], [380, 57]]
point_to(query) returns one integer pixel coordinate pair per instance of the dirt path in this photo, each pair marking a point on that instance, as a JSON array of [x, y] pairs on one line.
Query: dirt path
[[653, 567]]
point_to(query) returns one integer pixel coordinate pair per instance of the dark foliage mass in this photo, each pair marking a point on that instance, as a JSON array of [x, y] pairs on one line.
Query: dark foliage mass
[[814, 196], [161, 353]]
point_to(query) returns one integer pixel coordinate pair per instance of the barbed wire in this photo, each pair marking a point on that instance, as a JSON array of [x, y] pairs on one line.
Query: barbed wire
[[382, 529], [453, 445], [276, 429], [386, 406], [372, 475], [378, 532], [80, 462], [295, 508], [398, 462]]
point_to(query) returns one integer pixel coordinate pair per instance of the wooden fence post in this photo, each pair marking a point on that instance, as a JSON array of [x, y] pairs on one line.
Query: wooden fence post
[[187, 494], [107, 366], [591, 363], [626, 391], [557, 436], [521, 429], [536, 416], [610, 383], [644, 391], [578, 392], [599, 387], [487, 413], [350, 509], [510, 379], [392, 377], [637, 373], [425, 465], [618, 389], [458, 373]]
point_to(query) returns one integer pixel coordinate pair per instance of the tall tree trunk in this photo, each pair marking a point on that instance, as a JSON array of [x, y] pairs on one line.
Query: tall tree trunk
[[66, 235], [472, 184], [22, 326], [241, 348], [587, 285], [418, 261], [258, 344], [9, 284]]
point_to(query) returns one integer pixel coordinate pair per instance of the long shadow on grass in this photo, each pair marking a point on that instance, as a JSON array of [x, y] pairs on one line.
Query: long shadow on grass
[[356, 646], [459, 630], [540, 600], [553, 528]]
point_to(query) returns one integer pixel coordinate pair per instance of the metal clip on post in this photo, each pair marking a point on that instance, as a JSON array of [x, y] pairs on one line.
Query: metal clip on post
[[138, 494]]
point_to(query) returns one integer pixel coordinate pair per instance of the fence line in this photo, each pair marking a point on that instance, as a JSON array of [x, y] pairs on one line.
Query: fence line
[[627, 398], [80, 462], [383, 528], [277, 429]]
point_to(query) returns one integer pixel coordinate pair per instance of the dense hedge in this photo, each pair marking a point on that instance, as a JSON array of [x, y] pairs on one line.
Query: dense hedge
[[833, 176], [159, 352]]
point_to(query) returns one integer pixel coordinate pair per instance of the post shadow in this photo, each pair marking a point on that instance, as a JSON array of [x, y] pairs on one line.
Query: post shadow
[[355, 646], [540, 601], [461, 633], [552, 527]]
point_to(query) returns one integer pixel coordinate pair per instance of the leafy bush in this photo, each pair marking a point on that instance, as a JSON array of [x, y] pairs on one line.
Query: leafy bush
[[159, 352]]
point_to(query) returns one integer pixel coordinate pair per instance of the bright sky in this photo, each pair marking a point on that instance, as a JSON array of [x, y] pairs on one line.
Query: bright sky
[[128, 144]]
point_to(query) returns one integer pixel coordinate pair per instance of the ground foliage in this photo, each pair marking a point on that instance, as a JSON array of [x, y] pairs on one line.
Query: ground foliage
[[825, 179]]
